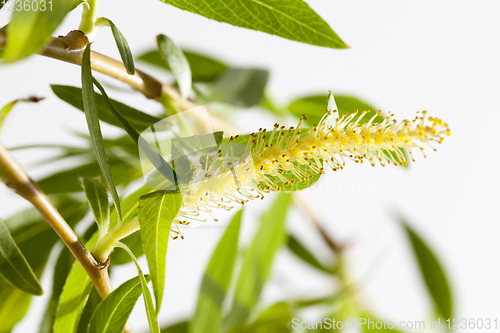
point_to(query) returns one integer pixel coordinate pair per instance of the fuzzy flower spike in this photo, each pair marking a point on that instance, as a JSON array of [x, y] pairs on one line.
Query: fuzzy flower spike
[[278, 158]]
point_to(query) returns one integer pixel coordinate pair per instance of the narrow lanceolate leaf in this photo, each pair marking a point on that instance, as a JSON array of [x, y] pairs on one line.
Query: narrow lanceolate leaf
[[112, 313], [123, 48], [31, 28], [73, 297], [257, 262], [91, 113], [433, 274], [13, 265], [97, 196], [216, 281], [154, 327], [177, 62], [292, 19], [156, 212]]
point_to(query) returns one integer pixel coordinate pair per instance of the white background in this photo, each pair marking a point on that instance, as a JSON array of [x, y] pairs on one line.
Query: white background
[[441, 56]]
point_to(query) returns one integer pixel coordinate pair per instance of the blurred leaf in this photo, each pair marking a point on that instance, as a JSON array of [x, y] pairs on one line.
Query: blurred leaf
[[242, 87], [156, 213], [154, 327], [2, 3], [432, 272], [300, 251], [13, 265], [112, 314], [203, 68], [29, 30], [97, 197], [123, 48], [74, 296], [68, 180], [181, 327], [92, 116], [35, 238], [369, 327], [275, 319], [61, 271], [314, 107], [138, 119], [314, 301], [177, 62], [257, 262], [216, 281], [4, 112], [292, 19]]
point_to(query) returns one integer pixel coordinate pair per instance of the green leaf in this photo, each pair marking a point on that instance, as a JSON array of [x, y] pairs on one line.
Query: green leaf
[[216, 281], [292, 19], [371, 328], [35, 238], [97, 197], [68, 180], [134, 135], [313, 107], [134, 241], [300, 251], [61, 271], [203, 67], [154, 327], [4, 112], [74, 296], [123, 48], [182, 327], [257, 262], [156, 213], [92, 303], [275, 319], [13, 265], [112, 314], [29, 30], [91, 113], [177, 62], [138, 119], [242, 87], [432, 272]]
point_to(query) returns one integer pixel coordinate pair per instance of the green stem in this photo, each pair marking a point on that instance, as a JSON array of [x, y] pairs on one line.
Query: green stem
[[105, 245], [89, 16]]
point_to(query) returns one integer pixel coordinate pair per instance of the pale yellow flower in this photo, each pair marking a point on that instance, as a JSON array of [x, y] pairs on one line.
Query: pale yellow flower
[[238, 176]]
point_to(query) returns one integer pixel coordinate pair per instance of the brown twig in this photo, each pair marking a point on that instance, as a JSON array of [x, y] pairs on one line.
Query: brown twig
[[16, 178], [70, 49]]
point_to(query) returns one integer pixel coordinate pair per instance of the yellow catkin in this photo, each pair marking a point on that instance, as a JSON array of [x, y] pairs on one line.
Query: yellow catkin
[[229, 180]]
